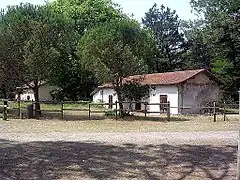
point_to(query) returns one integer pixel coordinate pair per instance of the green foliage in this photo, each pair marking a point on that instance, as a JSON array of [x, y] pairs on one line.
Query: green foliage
[[221, 34], [170, 43], [110, 113], [43, 46], [134, 91], [74, 81], [112, 50], [199, 54], [87, 13], [35, 32], [222, 66]]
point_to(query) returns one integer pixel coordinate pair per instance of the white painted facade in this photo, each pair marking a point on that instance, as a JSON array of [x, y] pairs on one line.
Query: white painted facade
[[172, 97], [44, 93], [154, 97], [102, 96], [190, 95]]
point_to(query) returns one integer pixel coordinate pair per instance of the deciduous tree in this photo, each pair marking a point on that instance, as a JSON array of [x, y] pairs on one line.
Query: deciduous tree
[[112, 52]]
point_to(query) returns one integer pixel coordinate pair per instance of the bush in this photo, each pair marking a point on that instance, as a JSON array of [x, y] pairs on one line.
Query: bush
[[110, 113]]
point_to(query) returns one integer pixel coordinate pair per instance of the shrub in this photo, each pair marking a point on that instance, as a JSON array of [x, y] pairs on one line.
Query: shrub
[[110, 113]]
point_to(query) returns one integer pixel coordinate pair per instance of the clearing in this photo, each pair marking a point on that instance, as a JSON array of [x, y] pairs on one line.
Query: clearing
[[195, 148]]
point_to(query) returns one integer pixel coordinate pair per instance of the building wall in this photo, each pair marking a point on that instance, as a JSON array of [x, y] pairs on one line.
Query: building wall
[[197, 92], [44, 94], [26, 93], [133, 105], [191, 95], [154, 97], [102, 96], [170, 91]]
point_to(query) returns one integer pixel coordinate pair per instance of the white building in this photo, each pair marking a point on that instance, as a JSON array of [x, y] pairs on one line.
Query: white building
[[185, 90], [44, 93]]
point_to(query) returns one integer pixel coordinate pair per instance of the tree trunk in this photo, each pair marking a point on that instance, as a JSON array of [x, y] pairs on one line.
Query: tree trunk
[[120, 99], [37, 104], [5, 103]]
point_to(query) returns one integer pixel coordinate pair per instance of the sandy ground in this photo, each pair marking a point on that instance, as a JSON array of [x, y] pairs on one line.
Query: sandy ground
[[136, 155]]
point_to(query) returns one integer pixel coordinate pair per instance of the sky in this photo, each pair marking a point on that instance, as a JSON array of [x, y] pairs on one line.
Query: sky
[[136, 7]]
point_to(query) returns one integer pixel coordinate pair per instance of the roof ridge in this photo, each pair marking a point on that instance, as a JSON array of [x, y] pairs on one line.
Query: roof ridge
[[199, 70], [167, 78]]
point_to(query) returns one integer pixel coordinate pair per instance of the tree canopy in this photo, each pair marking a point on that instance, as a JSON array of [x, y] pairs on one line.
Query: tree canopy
[[87, 13], [79, 44], [170, 43], [221, 32], [112, 51]]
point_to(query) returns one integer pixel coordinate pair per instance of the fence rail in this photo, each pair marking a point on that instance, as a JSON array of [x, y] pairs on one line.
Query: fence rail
[[61, 109]]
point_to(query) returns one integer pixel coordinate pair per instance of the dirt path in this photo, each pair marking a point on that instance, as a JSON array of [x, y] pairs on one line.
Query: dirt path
[[222, 137], [154, 156]]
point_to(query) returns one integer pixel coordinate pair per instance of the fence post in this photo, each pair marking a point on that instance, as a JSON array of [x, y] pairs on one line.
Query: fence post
[[116, 110], [5, 104], [62, 104], [145, 104], [224, 111], [214, 112], [239, 106], [168, 111], [19, 109], [34, 109], [89, 111], [238, 158]]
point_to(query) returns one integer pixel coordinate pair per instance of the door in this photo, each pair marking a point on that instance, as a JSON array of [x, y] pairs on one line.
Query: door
[[110, 101], [163, 99], [138, 106]]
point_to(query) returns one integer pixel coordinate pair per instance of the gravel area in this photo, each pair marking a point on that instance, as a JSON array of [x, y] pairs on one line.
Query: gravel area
[[140, 138], [100, 156]]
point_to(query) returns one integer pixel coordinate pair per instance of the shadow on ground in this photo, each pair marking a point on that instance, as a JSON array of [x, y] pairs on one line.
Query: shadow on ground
[[77, 160], [152, 118]]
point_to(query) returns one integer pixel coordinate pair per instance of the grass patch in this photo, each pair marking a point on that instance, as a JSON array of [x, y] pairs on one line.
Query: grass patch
[[57, 106], [199, 123]]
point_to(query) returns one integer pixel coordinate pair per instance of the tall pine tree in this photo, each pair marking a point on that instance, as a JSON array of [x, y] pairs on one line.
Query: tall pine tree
[[169, 41]]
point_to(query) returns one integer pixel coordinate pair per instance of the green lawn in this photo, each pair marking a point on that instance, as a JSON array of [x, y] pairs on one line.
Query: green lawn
[[53, 107]]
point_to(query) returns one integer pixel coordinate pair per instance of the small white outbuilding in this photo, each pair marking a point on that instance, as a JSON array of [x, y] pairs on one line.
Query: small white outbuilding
[[185, 90], [44, 93]]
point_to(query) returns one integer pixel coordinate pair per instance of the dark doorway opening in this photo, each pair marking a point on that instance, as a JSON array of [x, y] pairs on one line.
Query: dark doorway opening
[[163, 100], [138, 106], [110, 101]]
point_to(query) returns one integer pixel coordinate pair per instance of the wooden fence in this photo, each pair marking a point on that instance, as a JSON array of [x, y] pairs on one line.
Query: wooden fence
[[60, 109]]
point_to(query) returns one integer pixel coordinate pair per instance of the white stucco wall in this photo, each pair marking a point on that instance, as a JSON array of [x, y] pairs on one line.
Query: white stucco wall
[[44, 93], [102, 96], [170, 91], [25, 94], [154, 97], [193, 93]]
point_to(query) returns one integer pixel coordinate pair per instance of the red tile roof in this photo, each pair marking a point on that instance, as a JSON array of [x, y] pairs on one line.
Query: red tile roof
[[168, 78]]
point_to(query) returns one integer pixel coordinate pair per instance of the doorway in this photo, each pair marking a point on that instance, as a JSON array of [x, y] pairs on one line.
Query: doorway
[[138, 106], [110, 101], [163, 100]]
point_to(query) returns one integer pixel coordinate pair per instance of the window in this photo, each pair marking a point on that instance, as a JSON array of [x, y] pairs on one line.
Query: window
[[110, 101], [163, 99]]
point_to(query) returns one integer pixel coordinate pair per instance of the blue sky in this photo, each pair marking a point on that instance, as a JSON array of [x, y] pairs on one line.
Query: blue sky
[[136, 7]]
